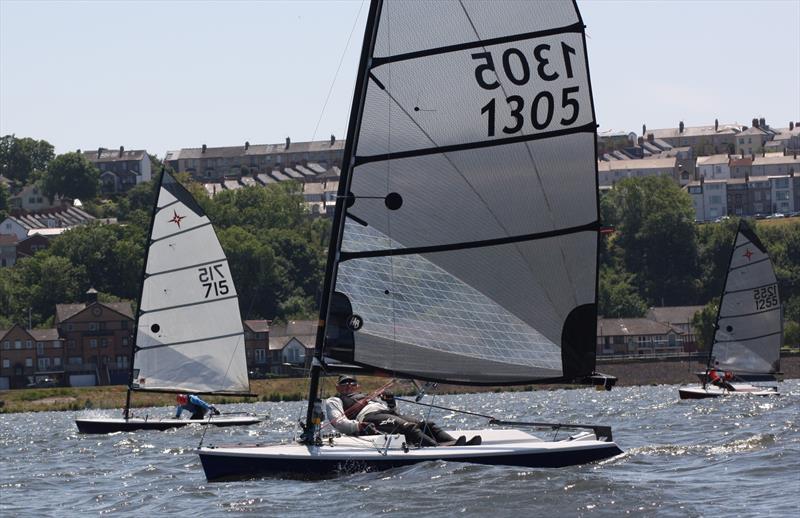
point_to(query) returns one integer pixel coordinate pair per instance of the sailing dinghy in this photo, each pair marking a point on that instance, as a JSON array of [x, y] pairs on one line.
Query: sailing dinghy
[[749, 327], [189, 334], [465, 237]]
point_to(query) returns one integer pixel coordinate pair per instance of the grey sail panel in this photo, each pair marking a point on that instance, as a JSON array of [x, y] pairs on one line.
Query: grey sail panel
[[189, 334], [485, 129], [749, 329]]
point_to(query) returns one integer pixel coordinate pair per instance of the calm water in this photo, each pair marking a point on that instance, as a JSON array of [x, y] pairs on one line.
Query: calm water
[[731, 457]]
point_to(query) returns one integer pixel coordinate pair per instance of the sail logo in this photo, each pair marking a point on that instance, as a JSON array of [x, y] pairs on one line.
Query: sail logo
[[354, 322], [747, 254], [176, 218]]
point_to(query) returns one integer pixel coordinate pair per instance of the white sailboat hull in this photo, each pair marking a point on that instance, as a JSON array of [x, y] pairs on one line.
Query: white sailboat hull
[[112, 424], [741, 389], [341, 455]]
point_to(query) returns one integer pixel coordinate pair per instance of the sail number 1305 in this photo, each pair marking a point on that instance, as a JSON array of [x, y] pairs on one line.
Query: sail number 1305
[[213, 280], [517, 69], [766, 297]]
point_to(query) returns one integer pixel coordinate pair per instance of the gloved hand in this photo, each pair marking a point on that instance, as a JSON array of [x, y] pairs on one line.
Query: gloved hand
[[367, 429], [388, 398]]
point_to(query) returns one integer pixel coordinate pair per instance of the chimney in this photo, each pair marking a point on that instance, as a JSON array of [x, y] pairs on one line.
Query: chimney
[[288, 142], [641, 140], [644, 129], [91, 296], [121, 150], [752, 156], [762, 123], [204, 148], [791, 125], [755, 122], [680, 127], [99, 152], [716, 125], [333, 139], [651, 138], [246, 145]]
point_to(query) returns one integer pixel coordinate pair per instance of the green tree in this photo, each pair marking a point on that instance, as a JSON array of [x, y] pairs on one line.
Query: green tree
[[654, 222], [111, 254], [3, 201], [20, 157], [39, 283], [618, 296], [73, 176], [704, 321]]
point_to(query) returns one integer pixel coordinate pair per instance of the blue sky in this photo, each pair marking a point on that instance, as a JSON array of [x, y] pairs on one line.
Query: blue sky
[[166, 75]]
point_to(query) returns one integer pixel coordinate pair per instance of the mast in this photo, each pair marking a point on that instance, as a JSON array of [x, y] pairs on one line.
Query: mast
[[141, 292], [337, 228]]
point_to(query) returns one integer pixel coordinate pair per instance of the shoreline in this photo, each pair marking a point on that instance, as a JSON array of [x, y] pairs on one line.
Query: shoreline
[[629, 373]]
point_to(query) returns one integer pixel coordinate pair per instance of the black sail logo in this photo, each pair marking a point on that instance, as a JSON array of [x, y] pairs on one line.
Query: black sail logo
[[354, 322]]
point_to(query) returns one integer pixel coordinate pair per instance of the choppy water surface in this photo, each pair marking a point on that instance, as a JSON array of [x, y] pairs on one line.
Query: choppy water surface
[[716, 457]]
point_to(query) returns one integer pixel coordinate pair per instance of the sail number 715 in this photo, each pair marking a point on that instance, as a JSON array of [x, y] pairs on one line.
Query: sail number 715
[[213, 280], [517, 69], [766, 297]]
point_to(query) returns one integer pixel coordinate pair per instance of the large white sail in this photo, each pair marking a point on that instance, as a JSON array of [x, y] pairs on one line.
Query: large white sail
[[749, 329], [189, 335], [469, 247]]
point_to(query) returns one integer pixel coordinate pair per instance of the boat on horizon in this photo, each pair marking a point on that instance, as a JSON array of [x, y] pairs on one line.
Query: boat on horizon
[[189, 335]]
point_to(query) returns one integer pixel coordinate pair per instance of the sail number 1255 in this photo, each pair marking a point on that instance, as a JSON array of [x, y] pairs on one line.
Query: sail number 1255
[[213, 280], [766, 297], [518, 70]]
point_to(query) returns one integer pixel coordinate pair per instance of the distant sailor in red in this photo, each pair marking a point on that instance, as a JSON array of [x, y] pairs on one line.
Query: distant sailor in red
[[721, 381]]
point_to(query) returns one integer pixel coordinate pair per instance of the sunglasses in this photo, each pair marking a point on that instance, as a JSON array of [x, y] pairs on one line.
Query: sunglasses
[[349, 383]]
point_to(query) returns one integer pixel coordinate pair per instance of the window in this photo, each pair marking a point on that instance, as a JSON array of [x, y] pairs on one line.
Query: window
[[123, 324], [69, 327], [71, 344], [781, 183], [782, 195], [17, 344], [103, 342], [29, 362], [56, 344], [39, 347], [715, 199], [28, 344], [93, 343], [7, 345], [6, 363], [122, 362], [92, 326], [56, 362], [43, 363], [261, 356], [75, 360]]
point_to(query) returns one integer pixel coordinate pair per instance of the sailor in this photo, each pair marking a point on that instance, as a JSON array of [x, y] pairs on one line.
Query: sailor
[[721, 381], [354, 413], [195, 405]]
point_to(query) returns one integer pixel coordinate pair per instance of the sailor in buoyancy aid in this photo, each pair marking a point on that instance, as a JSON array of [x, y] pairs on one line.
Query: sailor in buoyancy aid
[[195, 405], [353, 413], [721, 381]]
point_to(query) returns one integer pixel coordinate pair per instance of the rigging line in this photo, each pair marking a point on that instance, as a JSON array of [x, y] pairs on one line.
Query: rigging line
[[338, 68], [542, 190], [445, 408]]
